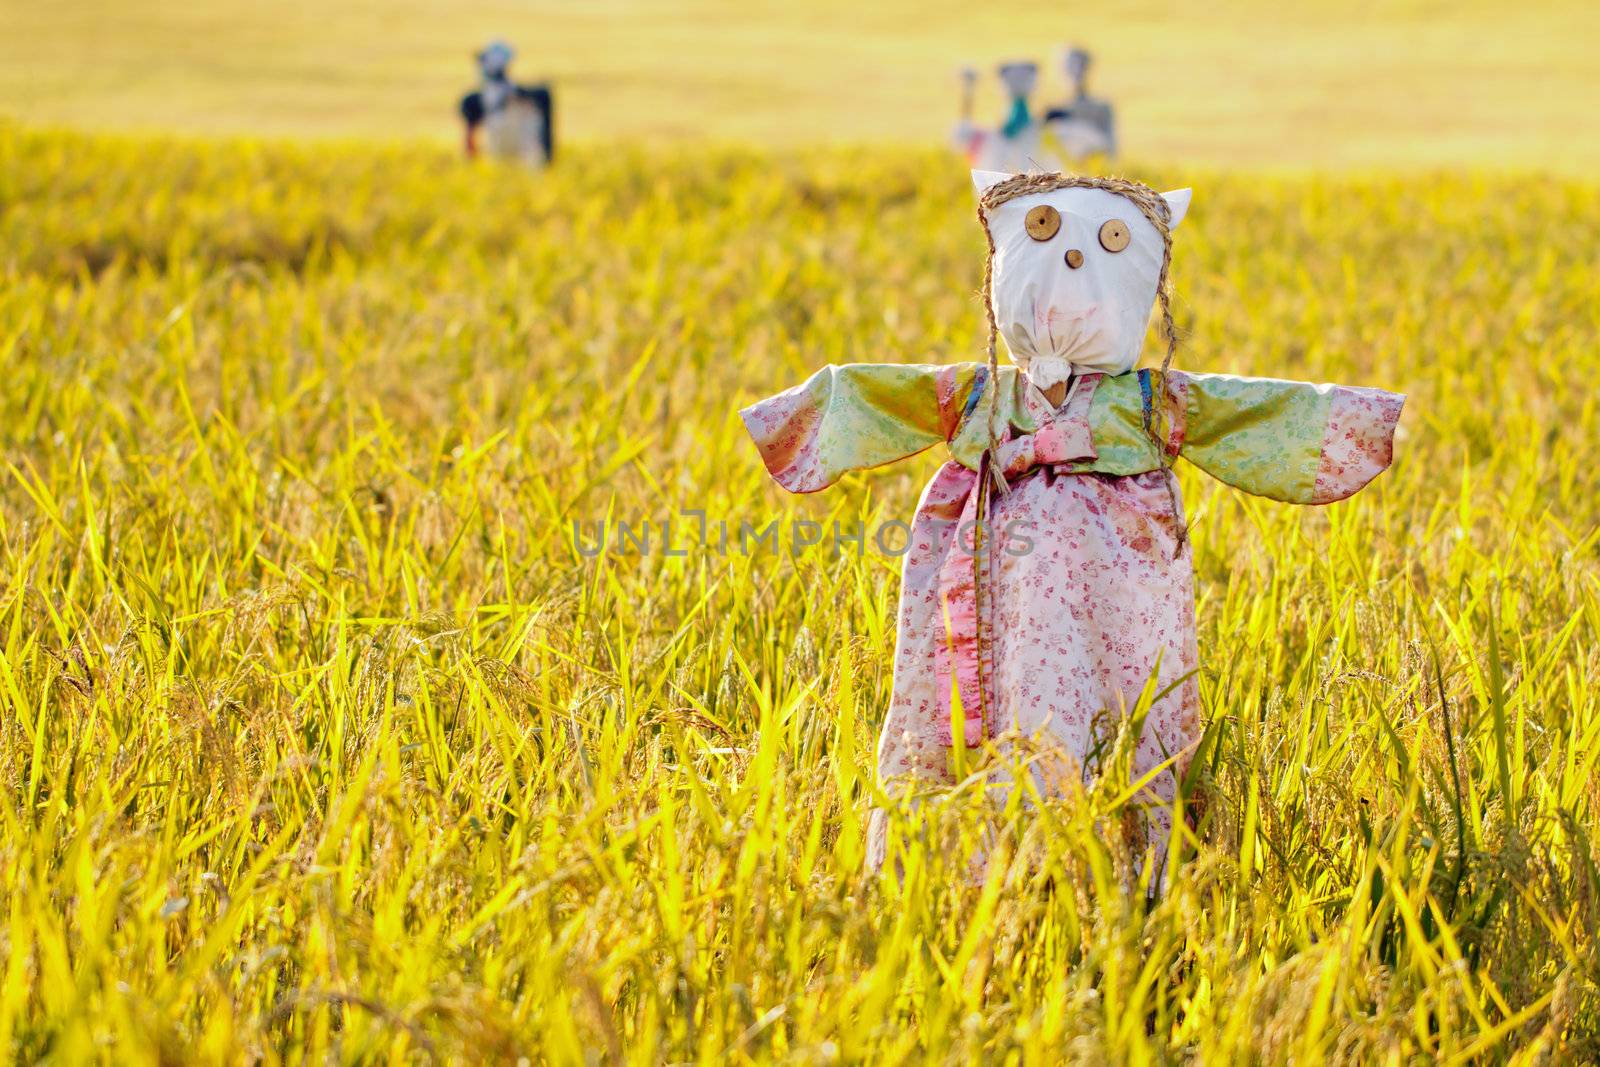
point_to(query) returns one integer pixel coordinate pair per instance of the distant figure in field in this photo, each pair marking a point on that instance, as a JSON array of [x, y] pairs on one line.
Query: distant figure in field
[[1013, 146], [516, 119], [1084, 126]]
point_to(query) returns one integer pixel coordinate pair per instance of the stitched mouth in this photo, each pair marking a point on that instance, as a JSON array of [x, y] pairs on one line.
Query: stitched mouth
[[1052, 317], [1060, 329]]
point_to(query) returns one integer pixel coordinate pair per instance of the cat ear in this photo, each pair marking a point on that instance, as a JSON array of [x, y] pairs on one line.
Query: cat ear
[[983, 179], [1178, 204]]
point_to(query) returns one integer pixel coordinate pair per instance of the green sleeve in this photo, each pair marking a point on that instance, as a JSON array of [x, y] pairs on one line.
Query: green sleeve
[[857, 416], [1291, 441]]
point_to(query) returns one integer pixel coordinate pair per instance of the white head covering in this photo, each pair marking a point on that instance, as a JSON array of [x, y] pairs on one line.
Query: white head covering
[[1075, 61], [1056, 319], [495, 58], [1019, 77]]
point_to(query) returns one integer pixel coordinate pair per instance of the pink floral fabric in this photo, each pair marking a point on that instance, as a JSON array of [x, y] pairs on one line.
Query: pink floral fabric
[[1358, 443], [1087, 595]]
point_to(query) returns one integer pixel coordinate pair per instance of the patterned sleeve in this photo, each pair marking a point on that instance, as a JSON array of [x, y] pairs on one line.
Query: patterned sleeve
[[1291, 441], [857, 416]]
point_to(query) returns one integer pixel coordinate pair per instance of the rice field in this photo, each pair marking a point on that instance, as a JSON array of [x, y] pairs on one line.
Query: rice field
[[1246, 83], [328, 736]]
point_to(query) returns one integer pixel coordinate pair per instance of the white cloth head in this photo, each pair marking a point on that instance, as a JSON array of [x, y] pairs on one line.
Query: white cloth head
[[495, 58], [1019, 78], [1056, 319], [1075, 61]]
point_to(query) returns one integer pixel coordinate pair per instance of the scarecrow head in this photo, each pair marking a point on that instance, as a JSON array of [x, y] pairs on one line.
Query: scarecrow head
[[1076, 265]]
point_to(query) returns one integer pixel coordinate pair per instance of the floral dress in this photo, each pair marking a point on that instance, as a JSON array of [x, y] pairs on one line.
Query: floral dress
[[1088, 585]]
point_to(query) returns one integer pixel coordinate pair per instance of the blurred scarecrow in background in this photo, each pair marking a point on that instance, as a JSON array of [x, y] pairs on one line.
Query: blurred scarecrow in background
[[516, 119], [1015, 144], [1084, 126]]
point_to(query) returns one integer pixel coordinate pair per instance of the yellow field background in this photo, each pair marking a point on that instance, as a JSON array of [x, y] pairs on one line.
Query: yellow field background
[[321, 740], [1228, 83]]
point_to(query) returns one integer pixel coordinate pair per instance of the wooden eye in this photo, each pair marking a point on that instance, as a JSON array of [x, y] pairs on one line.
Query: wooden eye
[[1042, 222], [1114, 236]]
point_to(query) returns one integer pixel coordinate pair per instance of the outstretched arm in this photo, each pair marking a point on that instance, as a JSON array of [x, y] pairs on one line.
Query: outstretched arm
[[857, 416], [472, 115], [539, 97], [1292, 441]]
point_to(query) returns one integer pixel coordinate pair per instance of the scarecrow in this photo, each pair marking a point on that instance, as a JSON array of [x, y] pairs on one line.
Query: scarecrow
[[1015, 144], [1085, 126], [1049, 579], [516, 119]]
